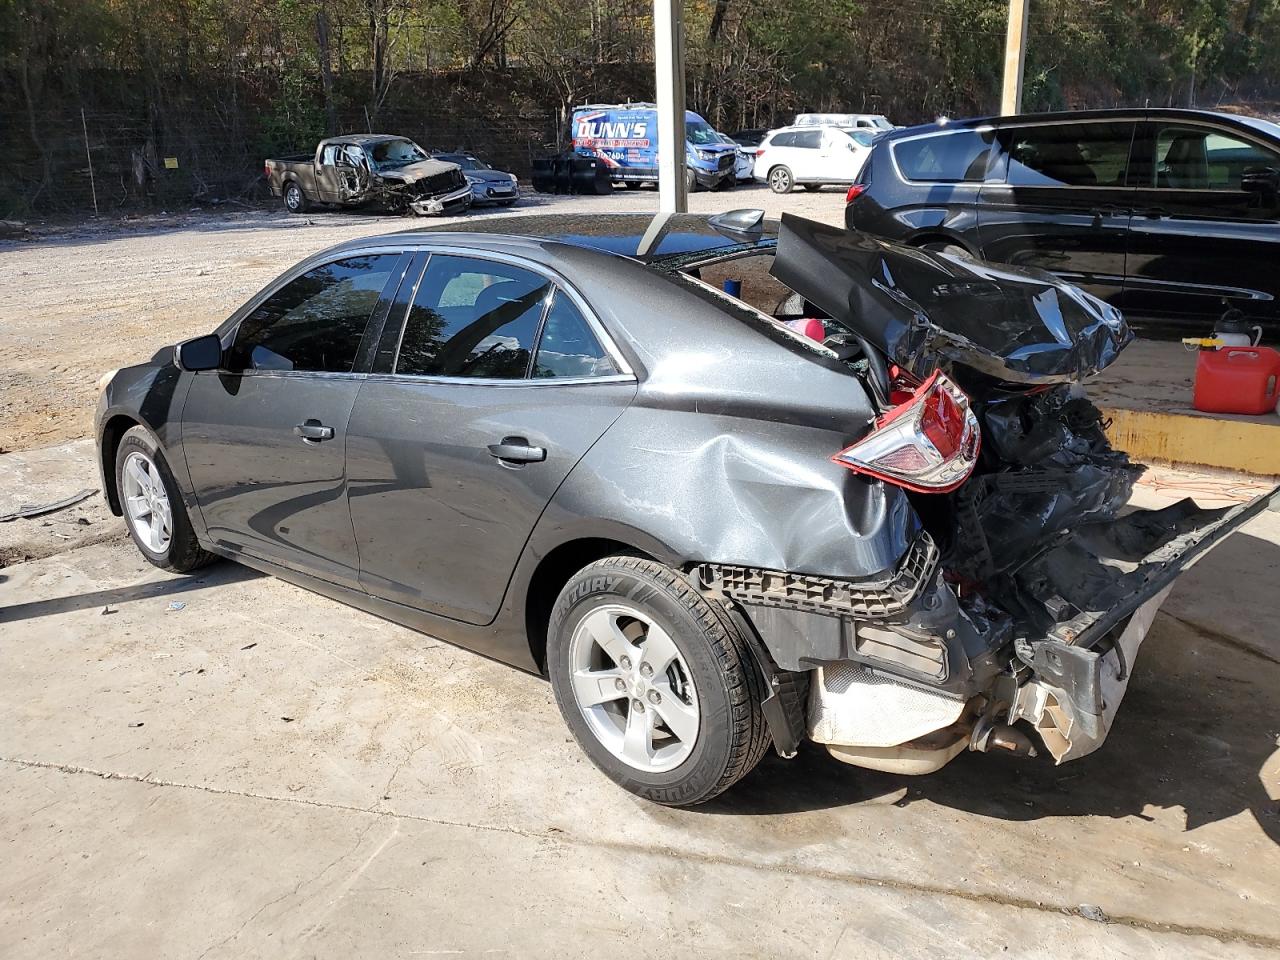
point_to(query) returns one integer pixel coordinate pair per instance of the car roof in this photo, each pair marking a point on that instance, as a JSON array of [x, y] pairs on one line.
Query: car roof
[[1112, 113], [358, 138], [805, 127], [654, 239]]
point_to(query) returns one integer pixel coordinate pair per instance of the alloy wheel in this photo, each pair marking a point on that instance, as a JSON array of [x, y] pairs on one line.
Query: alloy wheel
[[146, 502], [633, 688]]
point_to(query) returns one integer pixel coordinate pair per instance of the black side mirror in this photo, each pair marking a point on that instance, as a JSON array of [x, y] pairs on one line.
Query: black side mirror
[[202, 353], [1262, 180]]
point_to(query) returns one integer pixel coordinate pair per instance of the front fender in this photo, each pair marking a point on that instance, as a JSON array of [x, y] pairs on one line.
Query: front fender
[[152, 395]]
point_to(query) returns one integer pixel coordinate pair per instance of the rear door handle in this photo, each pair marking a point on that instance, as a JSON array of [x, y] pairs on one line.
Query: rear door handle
[[313, 431], [517, 450]]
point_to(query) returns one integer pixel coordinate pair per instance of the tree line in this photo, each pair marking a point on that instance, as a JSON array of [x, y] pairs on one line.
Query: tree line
[[273, 74]]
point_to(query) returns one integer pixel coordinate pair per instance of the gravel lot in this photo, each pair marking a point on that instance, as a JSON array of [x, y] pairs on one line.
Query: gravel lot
[[88, 299]]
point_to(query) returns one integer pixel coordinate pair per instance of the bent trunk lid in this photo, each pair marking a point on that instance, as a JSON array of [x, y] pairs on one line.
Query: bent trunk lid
[[926, 310]]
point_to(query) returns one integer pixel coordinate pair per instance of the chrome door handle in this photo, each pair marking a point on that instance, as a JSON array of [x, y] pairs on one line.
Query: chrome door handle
[[517, 450], [313, 431]]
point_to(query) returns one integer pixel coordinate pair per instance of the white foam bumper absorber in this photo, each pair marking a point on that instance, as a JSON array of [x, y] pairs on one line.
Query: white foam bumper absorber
[[848, 704]]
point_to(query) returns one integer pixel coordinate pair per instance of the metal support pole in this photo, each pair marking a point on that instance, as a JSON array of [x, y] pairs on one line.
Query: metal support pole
[[1015, 58], [89, 156], [668, 59]]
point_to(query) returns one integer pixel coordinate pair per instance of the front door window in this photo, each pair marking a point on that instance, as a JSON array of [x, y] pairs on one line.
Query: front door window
[[316, 322]]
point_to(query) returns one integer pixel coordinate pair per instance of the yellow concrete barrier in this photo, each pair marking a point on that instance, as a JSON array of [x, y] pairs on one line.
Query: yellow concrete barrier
[[1239, 445]]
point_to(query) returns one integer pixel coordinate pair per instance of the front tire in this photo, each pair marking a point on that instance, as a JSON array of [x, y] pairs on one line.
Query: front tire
[[780, 180], [154, 513], [655, 682], [295, 201]]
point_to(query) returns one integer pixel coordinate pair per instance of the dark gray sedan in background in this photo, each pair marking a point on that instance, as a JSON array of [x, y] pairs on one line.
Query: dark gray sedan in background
[[725, 481]]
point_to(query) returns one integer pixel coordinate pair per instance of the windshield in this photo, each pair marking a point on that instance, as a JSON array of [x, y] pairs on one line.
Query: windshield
[[466, 163], [395, 153], [861, 137], [700, 133]]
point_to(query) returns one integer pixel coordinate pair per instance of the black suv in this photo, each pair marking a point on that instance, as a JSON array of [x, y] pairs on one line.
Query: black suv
[[1168, 214]]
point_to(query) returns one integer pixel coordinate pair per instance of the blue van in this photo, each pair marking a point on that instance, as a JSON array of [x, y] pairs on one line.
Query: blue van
[[625, 137]]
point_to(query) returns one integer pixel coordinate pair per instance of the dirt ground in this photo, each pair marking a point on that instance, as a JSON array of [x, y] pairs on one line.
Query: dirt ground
[[80, 301]]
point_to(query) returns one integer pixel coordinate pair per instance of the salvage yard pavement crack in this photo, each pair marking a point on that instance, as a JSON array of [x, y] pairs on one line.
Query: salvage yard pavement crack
[[559, 837]]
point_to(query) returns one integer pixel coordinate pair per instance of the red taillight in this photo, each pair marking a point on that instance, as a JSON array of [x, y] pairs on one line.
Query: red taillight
[[266, 169], [855, 192], [928, 443]]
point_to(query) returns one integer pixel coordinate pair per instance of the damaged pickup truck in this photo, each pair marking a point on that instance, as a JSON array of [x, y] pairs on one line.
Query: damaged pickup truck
[[863, 500], [369, 170]]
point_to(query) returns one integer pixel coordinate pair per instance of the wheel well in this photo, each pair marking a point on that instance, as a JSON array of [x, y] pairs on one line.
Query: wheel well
[[114, 429], [549, 579]]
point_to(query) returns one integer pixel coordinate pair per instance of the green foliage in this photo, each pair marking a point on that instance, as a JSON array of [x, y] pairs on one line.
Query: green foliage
[[293, 120], [222, 83]]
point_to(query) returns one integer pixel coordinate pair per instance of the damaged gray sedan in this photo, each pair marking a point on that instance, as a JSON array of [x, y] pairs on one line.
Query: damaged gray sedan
[[727, 482]]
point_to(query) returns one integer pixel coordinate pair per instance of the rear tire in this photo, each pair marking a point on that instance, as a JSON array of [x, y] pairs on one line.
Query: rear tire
[[154, 513], [295, 201], [780, 180], [688, 729]]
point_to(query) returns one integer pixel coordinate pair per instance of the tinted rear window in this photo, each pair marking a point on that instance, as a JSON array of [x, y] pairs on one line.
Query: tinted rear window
[[1069, 154], [472, 318], [953, 157]]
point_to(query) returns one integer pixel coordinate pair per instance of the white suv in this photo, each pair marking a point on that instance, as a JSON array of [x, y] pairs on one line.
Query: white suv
[[812, 156], [875, 122]]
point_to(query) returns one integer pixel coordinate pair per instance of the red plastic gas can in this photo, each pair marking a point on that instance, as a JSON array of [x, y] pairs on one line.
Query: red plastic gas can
[[1237, 380]]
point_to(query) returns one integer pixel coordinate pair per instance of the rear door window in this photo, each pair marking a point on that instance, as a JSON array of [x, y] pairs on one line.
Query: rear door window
[[808, 139], [316, 322], [951, 157], [1069, 154], [567, 347], [1201, 158], [473, 318]]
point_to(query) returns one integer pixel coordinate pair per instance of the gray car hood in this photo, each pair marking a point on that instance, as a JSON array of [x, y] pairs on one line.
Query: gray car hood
[[927, 310], [488, 176], [413, 172]]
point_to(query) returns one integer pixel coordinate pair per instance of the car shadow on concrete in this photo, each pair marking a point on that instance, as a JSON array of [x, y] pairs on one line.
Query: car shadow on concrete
[[1199, 729], [110, 600]]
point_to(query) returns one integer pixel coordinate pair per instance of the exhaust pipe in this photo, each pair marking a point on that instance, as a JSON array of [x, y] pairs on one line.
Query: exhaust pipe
[[989, 736], [1010, 740]]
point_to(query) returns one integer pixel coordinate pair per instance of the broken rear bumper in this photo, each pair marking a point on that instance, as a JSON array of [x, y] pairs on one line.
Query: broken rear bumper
[[1077, 680], [896, 663]]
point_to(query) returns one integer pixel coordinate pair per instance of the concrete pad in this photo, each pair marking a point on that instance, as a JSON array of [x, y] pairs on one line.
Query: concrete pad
[[232, 770], [46, 475], [1146, 394], [121, 868]]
